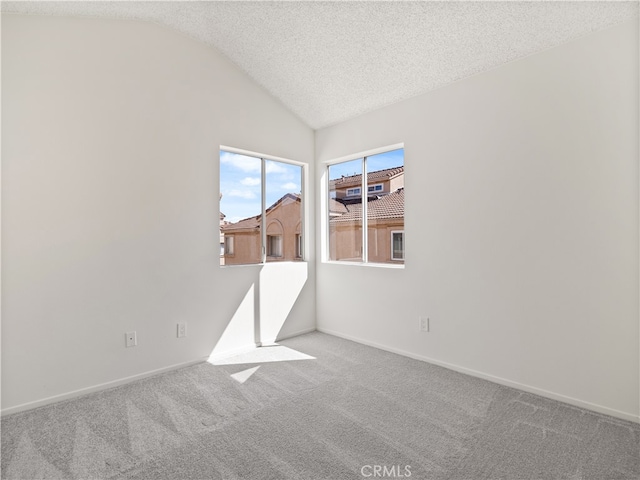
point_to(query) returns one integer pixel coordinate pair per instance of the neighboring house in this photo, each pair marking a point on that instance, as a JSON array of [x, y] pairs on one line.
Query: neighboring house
[[379, 182], [385, 214], [385, 217], [222, 223], [284, 234]]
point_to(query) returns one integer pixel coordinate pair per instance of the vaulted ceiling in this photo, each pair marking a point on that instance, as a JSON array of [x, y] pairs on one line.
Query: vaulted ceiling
[[331, 61]]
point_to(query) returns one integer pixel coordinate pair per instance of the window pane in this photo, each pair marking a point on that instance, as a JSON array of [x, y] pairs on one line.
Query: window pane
[[397, 252], [298, 246], [345, 211], [274, 245], [240, 208], [283, 221], [385, 206], [228, 245]]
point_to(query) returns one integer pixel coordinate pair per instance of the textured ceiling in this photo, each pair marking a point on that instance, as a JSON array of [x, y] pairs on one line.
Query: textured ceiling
[[331, 61]]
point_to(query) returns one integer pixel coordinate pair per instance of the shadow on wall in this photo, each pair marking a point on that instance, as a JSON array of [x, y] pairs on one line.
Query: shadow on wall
[[265, 308]]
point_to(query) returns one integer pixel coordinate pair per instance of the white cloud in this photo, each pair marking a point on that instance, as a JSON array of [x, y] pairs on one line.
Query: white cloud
[[251, 164], [275, 167], [291, 187], [248, 194], [250, 181], [241, 162]]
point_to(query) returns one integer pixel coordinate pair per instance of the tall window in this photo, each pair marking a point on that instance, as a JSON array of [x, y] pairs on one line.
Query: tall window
[[261, 204], [366, 209], [345, 211], [397, 245], [228, 245], [274, 245], [298, 245]]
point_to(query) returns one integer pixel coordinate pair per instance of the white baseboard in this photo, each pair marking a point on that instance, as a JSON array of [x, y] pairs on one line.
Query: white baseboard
[[104, 386], [95, 388], [279, 337], [215, 357], [501, 381], [295, 334]]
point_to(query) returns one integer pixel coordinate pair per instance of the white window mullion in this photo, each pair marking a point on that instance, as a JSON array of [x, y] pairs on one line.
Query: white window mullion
[[365, 240], [302, 207], [263, 220], [327, 216]]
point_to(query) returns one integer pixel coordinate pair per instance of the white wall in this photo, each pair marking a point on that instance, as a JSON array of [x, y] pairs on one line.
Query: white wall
[[521, 226], [111, 131], [522, 215]]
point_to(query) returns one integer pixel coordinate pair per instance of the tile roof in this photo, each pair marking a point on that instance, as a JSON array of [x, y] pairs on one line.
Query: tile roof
[[372, 177], [379, 207], [336, 207], [254, 222], [246, 223]]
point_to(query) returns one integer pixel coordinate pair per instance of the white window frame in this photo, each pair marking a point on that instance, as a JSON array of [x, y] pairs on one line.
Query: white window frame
[[374, 188], [326, 254], [263, 177], [392, 250], [352, 192]]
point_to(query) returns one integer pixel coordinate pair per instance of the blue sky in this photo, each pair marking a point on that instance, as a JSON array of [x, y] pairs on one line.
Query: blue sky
[[240, 180], [381, 161], [240, 184]]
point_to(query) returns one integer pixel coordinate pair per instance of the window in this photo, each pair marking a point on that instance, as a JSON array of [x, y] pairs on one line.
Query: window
[[228, 244], [397, 245], [345, 215], [261, 204], [274, 245], [363, 228], [298, 245]]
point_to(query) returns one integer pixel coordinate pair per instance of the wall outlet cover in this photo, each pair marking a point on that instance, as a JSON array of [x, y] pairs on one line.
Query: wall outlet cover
[[424, 324], [182, 329], [131, 339]]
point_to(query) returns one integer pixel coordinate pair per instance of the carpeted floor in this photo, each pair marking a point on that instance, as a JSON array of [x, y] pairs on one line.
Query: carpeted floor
[[329, 409]]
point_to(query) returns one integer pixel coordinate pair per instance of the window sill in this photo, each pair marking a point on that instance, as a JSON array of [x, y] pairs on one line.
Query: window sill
[[262, 264], [393, 266]]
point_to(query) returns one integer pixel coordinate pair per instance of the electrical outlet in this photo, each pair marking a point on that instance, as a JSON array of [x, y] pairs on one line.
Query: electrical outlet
[[131, 340], [182, 329], [424, 324]]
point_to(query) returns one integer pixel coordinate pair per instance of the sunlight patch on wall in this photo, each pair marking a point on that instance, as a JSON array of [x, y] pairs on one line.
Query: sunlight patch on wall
[[280, 286], [239, 332]]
